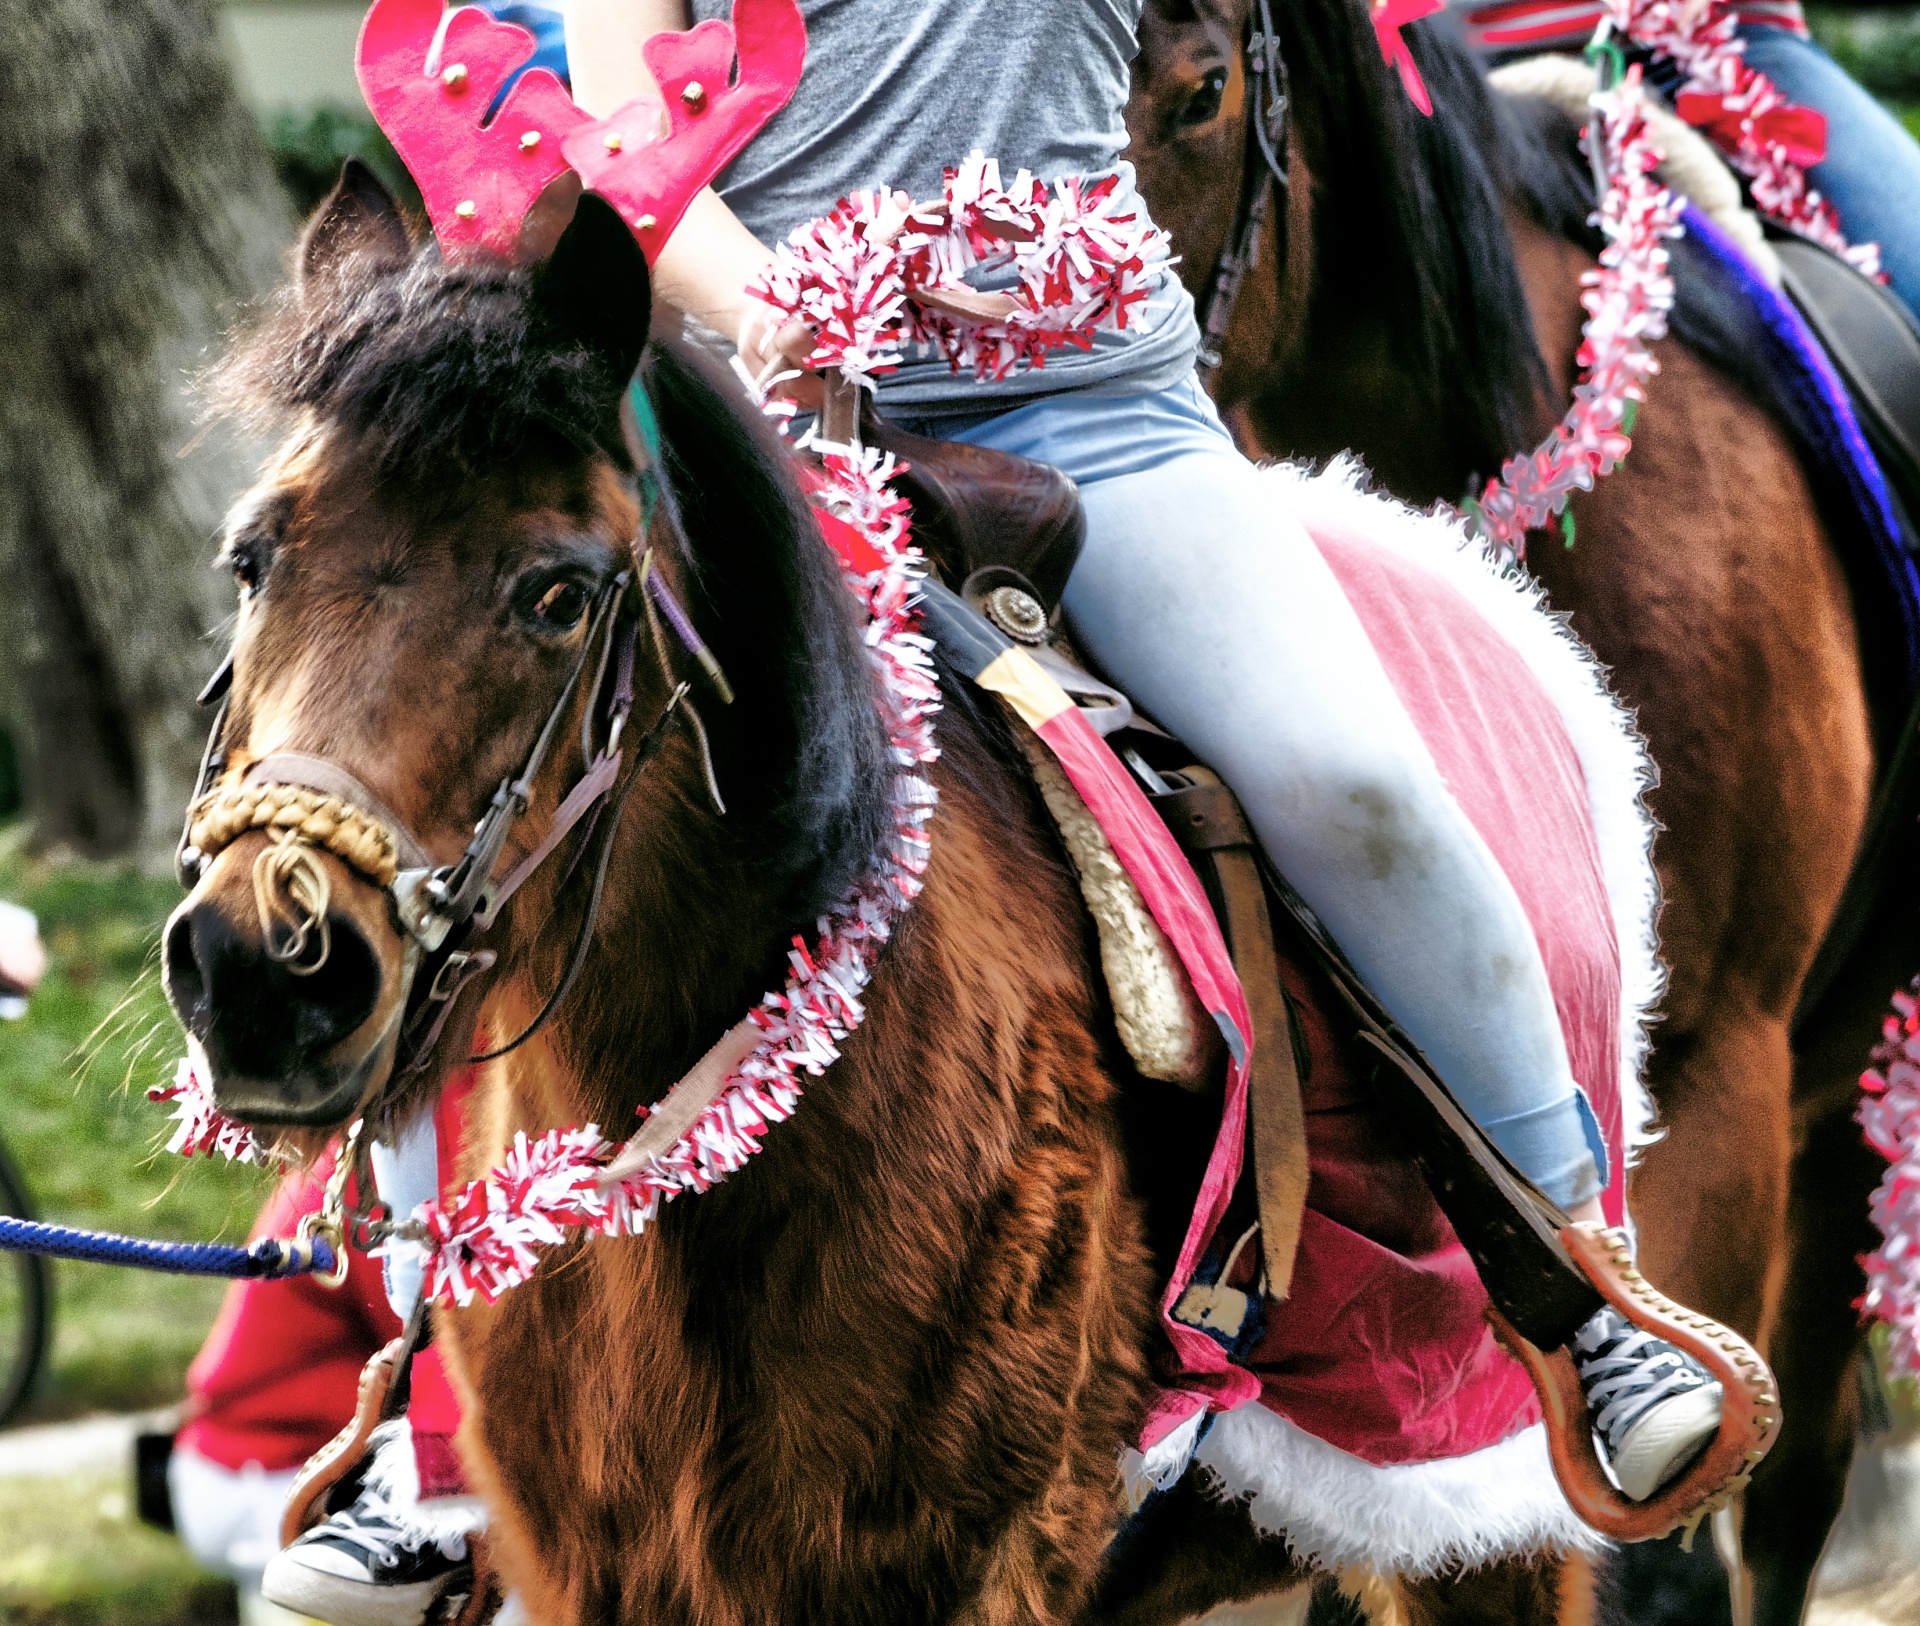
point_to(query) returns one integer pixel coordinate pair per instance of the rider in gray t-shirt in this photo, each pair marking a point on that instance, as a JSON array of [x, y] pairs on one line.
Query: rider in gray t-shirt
[[917, 87]]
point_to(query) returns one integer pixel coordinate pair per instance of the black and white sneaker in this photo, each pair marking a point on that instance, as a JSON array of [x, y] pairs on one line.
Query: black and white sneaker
[[362, 1567], [1653, 1406]]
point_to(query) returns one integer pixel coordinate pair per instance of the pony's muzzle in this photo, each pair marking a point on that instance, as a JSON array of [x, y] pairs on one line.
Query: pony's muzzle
[[298, 1030]]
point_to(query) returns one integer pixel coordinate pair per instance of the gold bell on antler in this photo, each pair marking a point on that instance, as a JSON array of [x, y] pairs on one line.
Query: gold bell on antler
[[529, 140], [455, 78], [694, 95]]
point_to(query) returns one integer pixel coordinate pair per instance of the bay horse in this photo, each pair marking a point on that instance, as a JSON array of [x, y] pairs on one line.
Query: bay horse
[[1415, 300], [885, 1374]]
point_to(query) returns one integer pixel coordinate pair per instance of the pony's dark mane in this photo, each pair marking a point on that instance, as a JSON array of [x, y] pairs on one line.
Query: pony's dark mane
[[441, 370], [1424, 240], [433, 365], [776, 610]]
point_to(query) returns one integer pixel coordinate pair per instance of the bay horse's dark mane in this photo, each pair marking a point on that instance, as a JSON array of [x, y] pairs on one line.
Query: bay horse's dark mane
[[448, 371], [1425, 242]]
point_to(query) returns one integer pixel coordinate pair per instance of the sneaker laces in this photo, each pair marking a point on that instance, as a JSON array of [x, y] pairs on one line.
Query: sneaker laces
[[373, 1524], [1625, 1370]]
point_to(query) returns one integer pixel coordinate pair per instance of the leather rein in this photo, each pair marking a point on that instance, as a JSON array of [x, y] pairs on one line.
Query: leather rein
[[1268, 139], [438, 907]]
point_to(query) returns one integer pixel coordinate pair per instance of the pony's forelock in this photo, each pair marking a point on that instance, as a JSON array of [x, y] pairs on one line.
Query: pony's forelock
[[435, 367]]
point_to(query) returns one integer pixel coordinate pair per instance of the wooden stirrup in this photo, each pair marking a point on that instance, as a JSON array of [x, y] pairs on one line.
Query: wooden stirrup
[[307, 1498], [1749, 1415]]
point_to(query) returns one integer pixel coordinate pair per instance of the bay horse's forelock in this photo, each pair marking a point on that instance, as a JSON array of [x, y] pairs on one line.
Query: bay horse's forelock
[[1426, 316]]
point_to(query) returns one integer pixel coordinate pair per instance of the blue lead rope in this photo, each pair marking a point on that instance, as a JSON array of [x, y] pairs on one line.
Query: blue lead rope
[[267, 1260]]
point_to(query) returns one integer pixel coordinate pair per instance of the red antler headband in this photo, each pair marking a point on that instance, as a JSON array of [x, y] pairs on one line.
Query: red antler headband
[[652, 178], [430, 75]]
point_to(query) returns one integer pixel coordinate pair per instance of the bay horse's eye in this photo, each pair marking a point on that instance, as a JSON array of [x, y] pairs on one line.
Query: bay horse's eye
[[243, 559], [1203, 106], [560, 607]]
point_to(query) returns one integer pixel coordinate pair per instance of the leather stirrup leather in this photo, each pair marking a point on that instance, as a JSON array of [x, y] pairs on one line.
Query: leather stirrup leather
[[1207, 821], [307, 1496]]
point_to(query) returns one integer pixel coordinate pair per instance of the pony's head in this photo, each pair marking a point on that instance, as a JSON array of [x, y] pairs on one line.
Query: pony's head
[[430, 573]]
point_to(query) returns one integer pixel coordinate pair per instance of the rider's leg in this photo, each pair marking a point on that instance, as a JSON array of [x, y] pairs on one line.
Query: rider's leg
[[1217, 612], [1871, 173]]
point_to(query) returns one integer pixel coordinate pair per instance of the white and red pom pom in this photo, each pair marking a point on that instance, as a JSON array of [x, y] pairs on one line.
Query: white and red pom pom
[[1890, 1116], [199, 1125], [879, 273]]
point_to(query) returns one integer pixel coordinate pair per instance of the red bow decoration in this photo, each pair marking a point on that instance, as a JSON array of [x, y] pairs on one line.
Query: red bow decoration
[[1389, 17], [430, 75], [1799, 132], [710, 114]]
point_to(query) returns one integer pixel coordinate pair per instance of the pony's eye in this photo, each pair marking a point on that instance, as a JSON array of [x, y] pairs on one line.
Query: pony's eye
[[560, 607], [1203, 106], [243, 559]]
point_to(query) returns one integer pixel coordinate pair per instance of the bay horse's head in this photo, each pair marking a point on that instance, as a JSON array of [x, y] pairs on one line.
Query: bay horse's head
[[1384, 309], [439, 569]]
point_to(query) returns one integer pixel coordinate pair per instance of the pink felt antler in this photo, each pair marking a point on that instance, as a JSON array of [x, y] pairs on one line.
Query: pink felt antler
[[430, 75], [710, 114]]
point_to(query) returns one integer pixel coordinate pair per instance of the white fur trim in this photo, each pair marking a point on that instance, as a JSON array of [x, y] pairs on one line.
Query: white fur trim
[[394, 1477], [1160, 1466], [1335, 1511], [1691, 167], [1612, 754]]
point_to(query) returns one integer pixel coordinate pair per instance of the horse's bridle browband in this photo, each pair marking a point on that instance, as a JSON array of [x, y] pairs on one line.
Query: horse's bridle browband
[[1267, 139], [437, 907]]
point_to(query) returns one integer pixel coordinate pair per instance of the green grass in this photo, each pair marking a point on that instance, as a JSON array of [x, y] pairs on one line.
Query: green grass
[[73, 1079], [76, 1556]]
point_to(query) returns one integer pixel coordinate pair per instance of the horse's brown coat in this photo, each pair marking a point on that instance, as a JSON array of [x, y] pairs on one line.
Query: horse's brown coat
[[884, 1377]]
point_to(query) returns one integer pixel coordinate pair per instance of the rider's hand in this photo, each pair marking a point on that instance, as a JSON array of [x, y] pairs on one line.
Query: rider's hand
[[769, 347]]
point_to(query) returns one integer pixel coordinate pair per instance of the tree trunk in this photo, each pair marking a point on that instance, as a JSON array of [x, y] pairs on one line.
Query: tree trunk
[[137, 208]]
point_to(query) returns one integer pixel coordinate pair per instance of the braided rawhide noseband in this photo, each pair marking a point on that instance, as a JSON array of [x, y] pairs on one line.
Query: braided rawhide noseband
[[352, 835]]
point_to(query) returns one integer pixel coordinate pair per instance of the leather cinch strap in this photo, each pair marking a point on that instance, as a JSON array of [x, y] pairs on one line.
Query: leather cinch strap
[[1207, 822]]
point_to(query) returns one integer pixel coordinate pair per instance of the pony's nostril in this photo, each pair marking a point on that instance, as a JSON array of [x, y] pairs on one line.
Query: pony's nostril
[[259, 1017], [180, 972]]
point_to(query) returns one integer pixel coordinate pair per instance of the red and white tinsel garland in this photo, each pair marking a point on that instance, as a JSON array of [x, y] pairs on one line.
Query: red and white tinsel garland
[[879, 273], [1080, 267], [1890, 1115], [1767, 138], [200, 1127], [1627, 298]]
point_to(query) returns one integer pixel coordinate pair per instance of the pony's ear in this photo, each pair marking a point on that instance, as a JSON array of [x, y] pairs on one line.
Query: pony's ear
[[594, 289], [359, 216]]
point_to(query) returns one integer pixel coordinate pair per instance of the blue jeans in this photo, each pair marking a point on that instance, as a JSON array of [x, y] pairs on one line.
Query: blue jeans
[[1210, 604], [1871, 173]]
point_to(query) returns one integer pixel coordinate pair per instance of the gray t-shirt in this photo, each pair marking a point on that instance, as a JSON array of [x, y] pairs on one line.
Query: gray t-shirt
[[895, 91]]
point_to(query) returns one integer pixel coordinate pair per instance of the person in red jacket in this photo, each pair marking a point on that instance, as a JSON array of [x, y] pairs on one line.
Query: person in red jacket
[[275, 1380]]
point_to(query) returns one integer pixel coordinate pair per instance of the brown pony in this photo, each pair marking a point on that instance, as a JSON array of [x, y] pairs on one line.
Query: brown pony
[[1389, 313], [886, 1373]]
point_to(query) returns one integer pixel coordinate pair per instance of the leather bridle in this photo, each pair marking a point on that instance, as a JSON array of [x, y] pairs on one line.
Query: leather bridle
[[438, 908], [1268, 134]]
